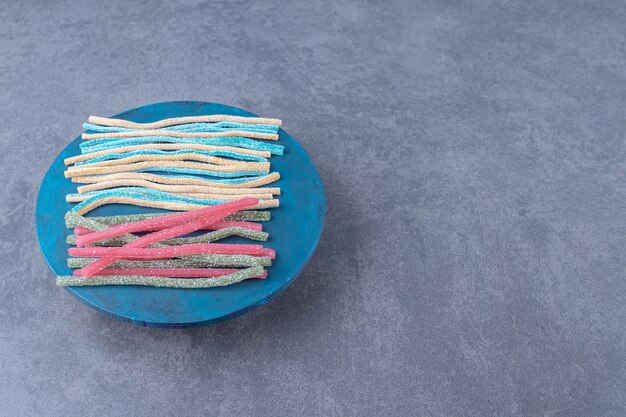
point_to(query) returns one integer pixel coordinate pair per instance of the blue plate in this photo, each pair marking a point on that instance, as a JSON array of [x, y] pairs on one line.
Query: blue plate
[[295, 230]]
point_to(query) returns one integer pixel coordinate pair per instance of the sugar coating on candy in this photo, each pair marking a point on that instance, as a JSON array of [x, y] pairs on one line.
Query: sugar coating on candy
[[160, 281], [190, 261], [174, 272], [204, 238], [237, 141], [143, 200], [193, 127], [176, 188], [206, 218], [172, 195], [96, 202], [199, 160], [246, 182], [267, 257], [224, 157], [169, 156], [80, 230], [222, 126], [217, 170], [106, 121], [244, 215], [233, 226], [182, 180], [192, 198], [126, 252], [146, 192], [225, 197], [231, 223], [95, 224], [237, 175], [74, 220], [156, 201], [169, 221], [164, 147], [136, 199], [180, 134], [127, 238]]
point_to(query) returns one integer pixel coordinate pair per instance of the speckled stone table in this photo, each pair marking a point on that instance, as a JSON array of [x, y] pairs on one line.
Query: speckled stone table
[[475, 167]]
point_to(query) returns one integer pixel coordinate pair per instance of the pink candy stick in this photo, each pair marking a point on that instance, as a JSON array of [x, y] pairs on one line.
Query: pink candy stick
[[174, 272], [126, 252], [81, 231], [164, 222], [269, 252]]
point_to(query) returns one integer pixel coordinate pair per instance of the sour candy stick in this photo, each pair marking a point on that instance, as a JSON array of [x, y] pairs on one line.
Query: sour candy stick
[[126, 252], [193, 127], [92, 169], [226, 156], [98, 145], [162, 282], [203, 238], [175, 188], [178, 180], [225, 197], [188, 156], [169, 156], [207, 237], [231, 223], [227, 224], [152, 202], [224, 224], [179, 134], [191, 198], [105, 121], [164, 147], [175, 272], [221, 210], [155, 237], [71, 219], [191, 261]]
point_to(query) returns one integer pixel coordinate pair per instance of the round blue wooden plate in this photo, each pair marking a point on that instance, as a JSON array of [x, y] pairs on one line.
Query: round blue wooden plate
[[295, 230]]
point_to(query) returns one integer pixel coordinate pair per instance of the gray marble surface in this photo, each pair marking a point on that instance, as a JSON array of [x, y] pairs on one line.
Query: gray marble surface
[[474, 161]]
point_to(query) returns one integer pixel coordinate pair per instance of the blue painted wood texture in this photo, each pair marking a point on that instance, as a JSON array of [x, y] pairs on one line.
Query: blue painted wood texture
[[295, 230]]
